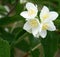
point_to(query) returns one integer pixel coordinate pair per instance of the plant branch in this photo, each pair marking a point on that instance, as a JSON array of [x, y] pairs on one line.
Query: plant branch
[[21, 38], [27, 54]]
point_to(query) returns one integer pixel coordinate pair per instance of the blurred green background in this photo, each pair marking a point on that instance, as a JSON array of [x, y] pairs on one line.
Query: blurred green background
[[16, 42]]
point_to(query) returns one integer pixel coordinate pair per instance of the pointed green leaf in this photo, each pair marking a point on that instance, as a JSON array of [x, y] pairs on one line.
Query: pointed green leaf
[[4, 48], [50, 44]]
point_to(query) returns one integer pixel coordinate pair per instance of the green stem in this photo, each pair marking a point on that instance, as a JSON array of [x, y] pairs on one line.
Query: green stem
[[36, 47], [21, 38]]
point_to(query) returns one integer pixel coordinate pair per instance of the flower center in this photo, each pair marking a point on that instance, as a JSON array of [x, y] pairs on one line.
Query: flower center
[[45, 26], [33, 23], [31, 12], [45, 16]]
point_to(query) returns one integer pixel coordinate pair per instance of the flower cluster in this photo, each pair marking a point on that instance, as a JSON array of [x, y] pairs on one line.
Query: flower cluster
[[38, 27]]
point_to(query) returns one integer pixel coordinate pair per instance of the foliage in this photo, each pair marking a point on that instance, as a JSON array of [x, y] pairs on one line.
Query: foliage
[[12, 35]]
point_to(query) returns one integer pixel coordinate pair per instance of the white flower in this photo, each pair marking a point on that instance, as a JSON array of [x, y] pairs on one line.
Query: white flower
[[48, 15], [31, 11], [32, 26], [46, 26]]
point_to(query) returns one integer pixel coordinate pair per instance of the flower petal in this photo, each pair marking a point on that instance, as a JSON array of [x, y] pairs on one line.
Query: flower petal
[[35, 32], [27, 27], [31, 6], [24, 14], [53, 15], [32, 11], [44, 11], [43, 33], [37, 35], [51, 26], [32, 16]]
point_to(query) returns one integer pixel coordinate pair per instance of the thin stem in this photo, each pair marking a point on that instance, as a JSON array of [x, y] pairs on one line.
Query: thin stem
[[27, 54], [21, 38], [36, 46]]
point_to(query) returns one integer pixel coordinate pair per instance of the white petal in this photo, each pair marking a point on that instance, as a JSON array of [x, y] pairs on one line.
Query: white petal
[[31, 6], [40, 27], [43, 33], [44, 11], [24, 14], [35, 32], [27, 27], [51, 26], [27, 19], [32, 11], [37, 35], [53, 15], [32, 16]]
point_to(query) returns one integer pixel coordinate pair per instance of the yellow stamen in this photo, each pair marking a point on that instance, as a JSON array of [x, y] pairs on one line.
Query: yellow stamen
[[31, 12], [45, 26], [45, 16], [33, 23]]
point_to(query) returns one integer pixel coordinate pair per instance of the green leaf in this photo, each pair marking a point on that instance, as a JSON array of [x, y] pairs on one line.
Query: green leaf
[[18, 32], [11, 1], [4, 48], [23, 45], [50, 44], [12, 51], [35, 53], [6, 35], [33, 41], [2, 9], [57, 23], [8, 1], [9, 20], [19, 8]]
